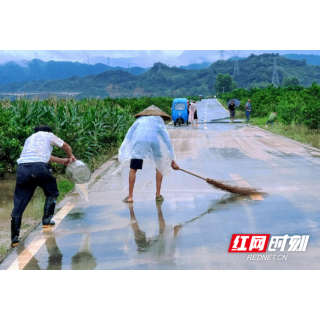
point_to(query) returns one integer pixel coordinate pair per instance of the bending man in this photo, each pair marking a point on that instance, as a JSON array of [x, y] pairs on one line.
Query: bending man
[[148, 139], [272, 118], [34, 171]]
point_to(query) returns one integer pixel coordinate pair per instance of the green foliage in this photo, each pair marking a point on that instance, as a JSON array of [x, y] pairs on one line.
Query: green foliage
[[294, 104], [290, 81], [3, 250], [311, 59], [64, 186], [225, 83], [311, 115], [91, 126]]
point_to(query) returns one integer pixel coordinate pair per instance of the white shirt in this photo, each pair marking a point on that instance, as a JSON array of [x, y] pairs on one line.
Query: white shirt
[[38, 147]]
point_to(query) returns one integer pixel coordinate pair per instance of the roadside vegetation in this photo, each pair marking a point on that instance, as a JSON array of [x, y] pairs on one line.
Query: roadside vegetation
[[93, 127], [297, 132], [297, 107]]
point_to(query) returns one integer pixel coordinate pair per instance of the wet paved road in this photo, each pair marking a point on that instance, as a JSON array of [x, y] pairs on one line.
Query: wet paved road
[[192, 228]]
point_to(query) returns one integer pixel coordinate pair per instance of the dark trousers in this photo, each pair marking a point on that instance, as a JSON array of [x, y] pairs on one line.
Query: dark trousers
[[29, 177], [248, 116]]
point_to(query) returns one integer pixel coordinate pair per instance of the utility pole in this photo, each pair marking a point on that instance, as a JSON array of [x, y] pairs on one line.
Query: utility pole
[[236, 63], [221, 57], [108, 61], [129, 65], [159, 66], [236, 68], [275, 77]]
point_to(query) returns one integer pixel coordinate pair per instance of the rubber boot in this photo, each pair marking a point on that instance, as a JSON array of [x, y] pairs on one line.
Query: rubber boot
[[15, 230], [48, 212]]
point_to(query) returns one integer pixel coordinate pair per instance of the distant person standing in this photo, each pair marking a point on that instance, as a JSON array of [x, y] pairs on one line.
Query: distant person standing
[[188, 108], [196, 113], [272, 118], [232, 110], [248, 110], [192, 111]]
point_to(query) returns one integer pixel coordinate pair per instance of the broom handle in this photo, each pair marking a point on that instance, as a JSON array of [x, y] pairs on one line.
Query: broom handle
[[193, 174]]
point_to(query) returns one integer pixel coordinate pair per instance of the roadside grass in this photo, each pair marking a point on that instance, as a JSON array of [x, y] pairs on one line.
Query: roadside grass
[[3, 250], [240, 113], [258, 121], [296, 132], [64, 186]]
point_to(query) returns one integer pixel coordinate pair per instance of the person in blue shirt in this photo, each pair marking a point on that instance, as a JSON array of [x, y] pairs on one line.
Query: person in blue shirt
[[248, 110]]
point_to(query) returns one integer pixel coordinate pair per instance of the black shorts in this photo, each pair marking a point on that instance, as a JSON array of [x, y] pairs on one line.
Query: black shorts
[[232, 113], [196, 115], [136, 164]]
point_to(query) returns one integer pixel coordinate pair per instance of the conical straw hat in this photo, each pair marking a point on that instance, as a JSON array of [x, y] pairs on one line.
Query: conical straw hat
[[153, 111]]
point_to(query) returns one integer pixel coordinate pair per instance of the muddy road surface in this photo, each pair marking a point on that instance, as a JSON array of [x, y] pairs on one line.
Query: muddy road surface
[[192, 228]]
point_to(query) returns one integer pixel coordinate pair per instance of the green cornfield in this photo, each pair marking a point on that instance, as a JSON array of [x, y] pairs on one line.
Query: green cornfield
[[92, 127]]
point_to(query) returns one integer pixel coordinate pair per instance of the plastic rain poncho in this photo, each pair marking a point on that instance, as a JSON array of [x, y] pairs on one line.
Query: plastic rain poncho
[[148, 139]]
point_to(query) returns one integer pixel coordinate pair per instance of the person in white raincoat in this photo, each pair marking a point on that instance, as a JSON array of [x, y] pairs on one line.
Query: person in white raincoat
[[148, 139]]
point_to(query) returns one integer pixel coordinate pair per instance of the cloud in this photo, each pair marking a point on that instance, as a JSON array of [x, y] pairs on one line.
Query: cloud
[[81, 55]]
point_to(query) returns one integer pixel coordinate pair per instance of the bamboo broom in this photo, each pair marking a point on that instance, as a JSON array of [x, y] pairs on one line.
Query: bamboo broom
[[226, 187]]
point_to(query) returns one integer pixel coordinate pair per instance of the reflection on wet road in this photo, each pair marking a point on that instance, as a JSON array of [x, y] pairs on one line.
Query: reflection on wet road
[[192, 228]]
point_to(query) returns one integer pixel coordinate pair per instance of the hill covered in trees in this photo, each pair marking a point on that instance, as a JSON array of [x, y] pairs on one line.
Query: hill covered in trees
[[37, 69], [161, 80], [196, 66], [311, 59]]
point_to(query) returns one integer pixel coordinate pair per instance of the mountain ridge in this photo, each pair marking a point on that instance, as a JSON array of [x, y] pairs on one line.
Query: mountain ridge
[[161, 80]]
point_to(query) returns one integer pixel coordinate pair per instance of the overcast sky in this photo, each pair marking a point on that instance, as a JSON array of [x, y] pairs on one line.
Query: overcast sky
[[144, 58]]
